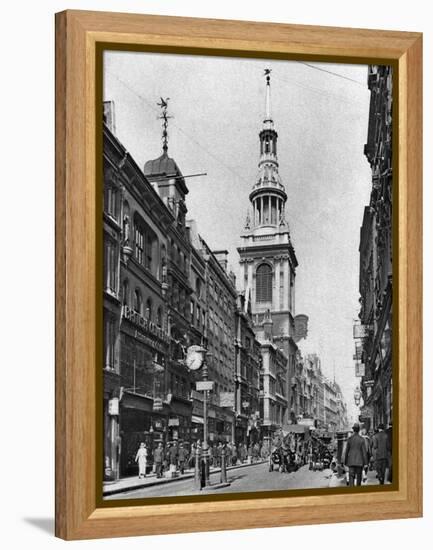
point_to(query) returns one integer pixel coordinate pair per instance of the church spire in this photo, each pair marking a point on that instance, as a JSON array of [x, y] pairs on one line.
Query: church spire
[[268, 196], [268, 122]]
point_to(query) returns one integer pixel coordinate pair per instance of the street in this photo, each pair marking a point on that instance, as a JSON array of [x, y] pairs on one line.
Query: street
[[253, 478]]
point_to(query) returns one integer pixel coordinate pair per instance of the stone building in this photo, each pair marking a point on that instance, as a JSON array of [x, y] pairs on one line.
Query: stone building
[[136, 338], [247, 374], [374, 333], [314, 390], [268, 268], [164, 174], [221, 306]]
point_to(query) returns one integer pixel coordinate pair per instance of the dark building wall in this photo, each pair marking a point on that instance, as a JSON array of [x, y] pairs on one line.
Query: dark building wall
[[376, 255]]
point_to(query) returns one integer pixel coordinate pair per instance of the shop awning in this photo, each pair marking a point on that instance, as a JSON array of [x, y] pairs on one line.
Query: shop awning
[[197, 419]]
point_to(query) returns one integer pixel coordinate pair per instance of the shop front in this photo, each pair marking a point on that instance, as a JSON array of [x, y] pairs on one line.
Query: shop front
[[140, 423], [111, 426], [241, 429], [179, 421]]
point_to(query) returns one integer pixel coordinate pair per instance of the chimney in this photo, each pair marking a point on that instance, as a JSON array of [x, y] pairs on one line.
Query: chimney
[[222, 257], [109, 115]]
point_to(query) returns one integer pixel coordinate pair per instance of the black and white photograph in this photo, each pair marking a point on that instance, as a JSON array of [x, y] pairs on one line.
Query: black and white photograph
[[247, 277]]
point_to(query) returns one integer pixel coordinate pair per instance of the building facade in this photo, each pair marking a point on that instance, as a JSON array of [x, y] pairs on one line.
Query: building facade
[[221, 305], [374, 333], [330, 398], [268, 264], [136, 337], [247, 374], [166, 178]]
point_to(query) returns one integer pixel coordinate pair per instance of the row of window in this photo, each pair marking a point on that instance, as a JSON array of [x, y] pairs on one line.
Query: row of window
[[217, 294], [197, 316]]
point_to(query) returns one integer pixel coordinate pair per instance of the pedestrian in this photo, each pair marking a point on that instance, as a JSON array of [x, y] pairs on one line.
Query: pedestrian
[[382, 451], [255, 452], [389, 434], [211, 452], [240, 453], [367, 442], [355, 456], [166, 460], [191, 461], [173, 456], [227, 454], [234, 453], [250, 454], [141, 458], [158, 457], [218, 454], [182, 457]]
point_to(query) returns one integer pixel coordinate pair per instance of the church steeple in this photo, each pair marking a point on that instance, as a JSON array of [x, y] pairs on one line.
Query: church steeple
[[268, 196]]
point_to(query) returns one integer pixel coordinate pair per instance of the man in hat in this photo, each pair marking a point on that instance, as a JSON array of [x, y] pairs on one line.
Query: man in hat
[[381, 447], [355, 456]]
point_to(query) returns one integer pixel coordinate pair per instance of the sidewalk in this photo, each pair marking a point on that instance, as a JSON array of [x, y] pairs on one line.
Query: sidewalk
[[131, 483], [340, 481]]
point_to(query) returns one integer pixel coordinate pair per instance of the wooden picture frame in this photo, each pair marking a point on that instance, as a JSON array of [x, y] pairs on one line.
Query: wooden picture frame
[[79, 34]]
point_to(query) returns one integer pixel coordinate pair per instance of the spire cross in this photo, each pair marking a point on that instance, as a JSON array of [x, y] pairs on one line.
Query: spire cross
[[164, 117]]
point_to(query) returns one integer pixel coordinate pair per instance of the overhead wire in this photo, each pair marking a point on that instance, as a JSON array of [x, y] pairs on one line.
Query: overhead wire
[[331, 72], [210, 154]]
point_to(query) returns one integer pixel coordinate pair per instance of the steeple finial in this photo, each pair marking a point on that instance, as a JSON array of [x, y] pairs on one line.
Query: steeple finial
[[267, 73], [164, 117], [248, 221]]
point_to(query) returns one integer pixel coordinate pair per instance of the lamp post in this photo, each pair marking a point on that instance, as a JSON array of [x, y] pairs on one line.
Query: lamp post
[[196, 359], [205, 413]]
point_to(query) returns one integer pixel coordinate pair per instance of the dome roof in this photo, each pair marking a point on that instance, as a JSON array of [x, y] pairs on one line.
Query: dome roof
[[164, 166]]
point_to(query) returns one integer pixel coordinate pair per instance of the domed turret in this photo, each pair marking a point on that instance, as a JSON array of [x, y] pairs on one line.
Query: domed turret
[[268, 196]]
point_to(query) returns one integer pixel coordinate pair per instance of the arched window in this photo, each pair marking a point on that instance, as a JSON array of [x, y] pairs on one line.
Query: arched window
[[125, 292], [149, 309], [159, 317], [264, 283], [137, 301]]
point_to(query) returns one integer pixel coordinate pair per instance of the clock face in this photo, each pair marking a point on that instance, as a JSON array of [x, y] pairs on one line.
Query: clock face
[[194, 359]]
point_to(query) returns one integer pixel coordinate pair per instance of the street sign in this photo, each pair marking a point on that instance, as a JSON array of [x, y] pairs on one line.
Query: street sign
[[113, 406], [204, 385], [359, 370], [157, 404], [173, 422], [227, 399], [361, 331]]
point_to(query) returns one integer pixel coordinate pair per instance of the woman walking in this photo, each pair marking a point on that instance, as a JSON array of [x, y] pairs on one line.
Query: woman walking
[[141, 458]]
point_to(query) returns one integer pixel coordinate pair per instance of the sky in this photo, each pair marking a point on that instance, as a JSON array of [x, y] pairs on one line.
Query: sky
[[320, 112]]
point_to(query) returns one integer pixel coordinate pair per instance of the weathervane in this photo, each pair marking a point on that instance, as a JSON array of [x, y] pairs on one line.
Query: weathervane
[[267, 73], [164, 117]]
